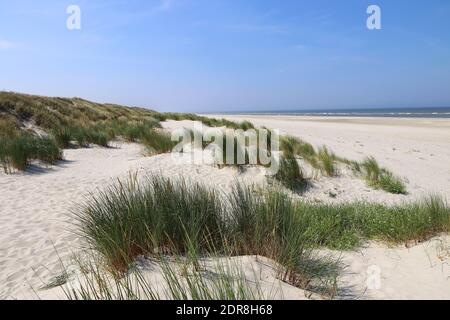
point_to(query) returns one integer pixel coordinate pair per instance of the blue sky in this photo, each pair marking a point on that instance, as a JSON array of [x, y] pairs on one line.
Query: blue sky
[[230, 55]]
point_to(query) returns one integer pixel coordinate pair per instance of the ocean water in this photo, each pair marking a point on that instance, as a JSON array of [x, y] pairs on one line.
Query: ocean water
[[395, 113]]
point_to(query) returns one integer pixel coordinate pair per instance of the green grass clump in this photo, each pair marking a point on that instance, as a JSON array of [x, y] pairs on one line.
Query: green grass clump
[[294, 146], [270, 226], [327, 161], [161, 216], [97, 137], [9, 126], [322, 159], [158, 141], [83, 136], [289, 173], [63, 137], [45, 149], [18, 151], [381, 178], [130, 219], [392, 184], [80, 135], [346, 226], [133, 132]]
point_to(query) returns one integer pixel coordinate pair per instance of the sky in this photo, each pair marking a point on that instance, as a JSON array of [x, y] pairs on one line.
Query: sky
[[230, 55]]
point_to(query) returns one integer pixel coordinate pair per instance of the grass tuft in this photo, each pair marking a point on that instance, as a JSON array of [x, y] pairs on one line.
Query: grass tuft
[[327, 161], [17, 152], [158, 141], [381, 178], [289, 173], [160, 216]]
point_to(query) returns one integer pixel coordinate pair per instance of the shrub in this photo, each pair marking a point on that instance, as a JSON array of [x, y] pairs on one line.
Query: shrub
[[24, 112], [46, 119], [9, 127]]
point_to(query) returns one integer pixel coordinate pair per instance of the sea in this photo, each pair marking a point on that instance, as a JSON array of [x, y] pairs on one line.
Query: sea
[[443, 112]]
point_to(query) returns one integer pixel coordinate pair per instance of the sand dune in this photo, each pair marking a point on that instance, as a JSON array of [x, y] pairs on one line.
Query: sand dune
[[416, 149], [35, 207]]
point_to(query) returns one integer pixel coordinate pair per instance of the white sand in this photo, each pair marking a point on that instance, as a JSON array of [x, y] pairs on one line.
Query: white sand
[[420, 272], [415, 149], [35, 206]]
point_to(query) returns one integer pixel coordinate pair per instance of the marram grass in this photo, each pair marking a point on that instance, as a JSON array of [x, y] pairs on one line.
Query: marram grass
[[17, 152], [158, 215], [381, 178], [161, 216]]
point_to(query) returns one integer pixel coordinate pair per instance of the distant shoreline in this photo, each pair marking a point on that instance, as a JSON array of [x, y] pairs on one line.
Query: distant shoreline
[[432, 113]]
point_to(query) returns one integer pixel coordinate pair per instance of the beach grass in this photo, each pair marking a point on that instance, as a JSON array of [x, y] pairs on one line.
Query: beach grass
[[77, 122], [327, 161], [180, 278], [321, 159], [16, 152], [162, 216], [347, 226], [290, 174], [158, 141], [128, 219], [295, 146], [63, 137], [381, 178]]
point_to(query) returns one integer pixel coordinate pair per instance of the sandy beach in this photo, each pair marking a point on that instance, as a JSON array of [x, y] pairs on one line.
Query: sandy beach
[[36, 206], [416, 149]]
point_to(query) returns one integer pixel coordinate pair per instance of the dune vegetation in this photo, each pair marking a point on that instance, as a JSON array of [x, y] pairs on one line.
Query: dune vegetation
[[181, 224], [157, 217], [326, 162], [38, 128]]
